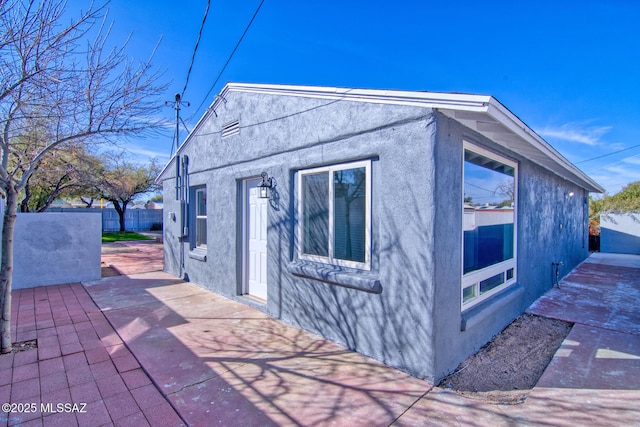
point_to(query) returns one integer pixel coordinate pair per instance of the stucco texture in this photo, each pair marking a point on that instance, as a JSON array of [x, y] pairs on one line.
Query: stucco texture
[[620, 233], [414, 321], [56, 248], [551, 227]]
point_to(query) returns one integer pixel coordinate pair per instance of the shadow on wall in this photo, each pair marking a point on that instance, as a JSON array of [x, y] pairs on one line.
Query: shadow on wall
[[620, 233], [392, 326], [619, 242]]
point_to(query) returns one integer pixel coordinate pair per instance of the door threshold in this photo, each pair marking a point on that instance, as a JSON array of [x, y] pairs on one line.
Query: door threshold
[[254, 298]]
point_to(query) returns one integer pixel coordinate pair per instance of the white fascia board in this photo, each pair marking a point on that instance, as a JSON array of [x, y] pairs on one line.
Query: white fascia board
[[434, 100], [499, 112], [444, 101], [396, 97], [166, 167]]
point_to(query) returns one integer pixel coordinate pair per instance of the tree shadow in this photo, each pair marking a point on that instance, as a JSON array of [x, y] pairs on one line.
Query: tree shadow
[[217, 359]]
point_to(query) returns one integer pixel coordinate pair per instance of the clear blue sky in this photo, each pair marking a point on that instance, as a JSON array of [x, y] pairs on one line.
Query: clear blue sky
[[569, 69]]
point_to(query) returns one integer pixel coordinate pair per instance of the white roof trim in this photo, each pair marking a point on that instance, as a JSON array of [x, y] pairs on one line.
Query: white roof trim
[[396, 97], [482, 113]]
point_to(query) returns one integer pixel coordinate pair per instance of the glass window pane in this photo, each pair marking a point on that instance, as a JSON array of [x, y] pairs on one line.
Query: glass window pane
[[201, 203], [201, 217], [492, 282], [315, 214], [469, 293], [489, 212], [510, 274], [201, 231], [349, 214]]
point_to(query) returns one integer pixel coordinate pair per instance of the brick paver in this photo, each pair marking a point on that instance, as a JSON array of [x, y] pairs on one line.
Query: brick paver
[[222, 362], [79, 360]]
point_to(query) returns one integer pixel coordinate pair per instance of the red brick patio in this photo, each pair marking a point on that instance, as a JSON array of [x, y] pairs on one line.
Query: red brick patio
[[79, 360]]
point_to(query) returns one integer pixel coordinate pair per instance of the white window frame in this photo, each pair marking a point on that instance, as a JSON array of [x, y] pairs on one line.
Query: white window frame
[[197, 217], [366, 265], [475, 277]]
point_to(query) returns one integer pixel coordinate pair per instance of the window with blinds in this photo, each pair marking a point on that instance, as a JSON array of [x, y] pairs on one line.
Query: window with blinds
[[334, 208]]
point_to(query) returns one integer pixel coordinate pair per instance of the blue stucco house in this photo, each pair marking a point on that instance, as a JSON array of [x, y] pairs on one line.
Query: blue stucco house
[[408, 226]]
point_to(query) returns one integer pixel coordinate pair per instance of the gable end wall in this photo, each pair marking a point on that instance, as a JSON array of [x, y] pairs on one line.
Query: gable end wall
[[282, 135]]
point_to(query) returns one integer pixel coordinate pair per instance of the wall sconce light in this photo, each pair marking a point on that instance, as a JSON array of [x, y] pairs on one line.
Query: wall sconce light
[[266, 186], [569, 195]]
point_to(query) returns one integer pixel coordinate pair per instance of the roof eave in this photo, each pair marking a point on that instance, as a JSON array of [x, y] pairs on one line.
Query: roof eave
[[482, 113], [506, 129]]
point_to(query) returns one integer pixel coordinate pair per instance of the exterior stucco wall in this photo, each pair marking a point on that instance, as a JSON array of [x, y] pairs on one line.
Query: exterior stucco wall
[[392, 326], [620, 233], [415, 322], [551, 227], [56, 248]]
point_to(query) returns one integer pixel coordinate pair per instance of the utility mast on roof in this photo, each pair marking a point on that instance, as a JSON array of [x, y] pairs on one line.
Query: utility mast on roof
[[176, 105]]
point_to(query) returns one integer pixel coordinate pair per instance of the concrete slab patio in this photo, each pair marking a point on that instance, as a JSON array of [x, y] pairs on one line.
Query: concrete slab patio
[[594, 377], [220, 362]]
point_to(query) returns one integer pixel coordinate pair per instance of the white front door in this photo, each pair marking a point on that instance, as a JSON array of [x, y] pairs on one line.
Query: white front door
[[255, 232]]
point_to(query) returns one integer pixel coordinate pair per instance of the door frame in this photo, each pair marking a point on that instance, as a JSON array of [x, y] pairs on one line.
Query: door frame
[[244, 200]]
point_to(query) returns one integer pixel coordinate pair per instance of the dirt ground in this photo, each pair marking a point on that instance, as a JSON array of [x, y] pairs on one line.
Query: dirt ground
[[505, 370], [107, 271]]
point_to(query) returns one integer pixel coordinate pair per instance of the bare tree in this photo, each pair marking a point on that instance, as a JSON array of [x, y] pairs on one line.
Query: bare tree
[[507, 190], [120, 181], [68, 87]]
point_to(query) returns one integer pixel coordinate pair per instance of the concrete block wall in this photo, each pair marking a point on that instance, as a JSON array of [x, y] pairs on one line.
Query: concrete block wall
[[56, 248], [620, 233]]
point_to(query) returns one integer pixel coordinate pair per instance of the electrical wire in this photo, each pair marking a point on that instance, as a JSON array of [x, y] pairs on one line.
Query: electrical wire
[[484, 189], [228, 60], [614, 163], [606, 155], [185, 126], [195, 49]]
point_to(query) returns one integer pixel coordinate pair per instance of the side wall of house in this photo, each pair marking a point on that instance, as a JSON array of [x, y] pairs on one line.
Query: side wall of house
[[551, 227], [282, 135]]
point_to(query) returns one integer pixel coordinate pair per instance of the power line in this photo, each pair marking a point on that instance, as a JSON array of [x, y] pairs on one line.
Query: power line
[[606, 155], [614, 163], [228, 59], [195, 49], [478, 187]]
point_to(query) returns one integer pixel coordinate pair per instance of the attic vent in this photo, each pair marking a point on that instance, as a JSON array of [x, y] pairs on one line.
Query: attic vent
[[231, 128]]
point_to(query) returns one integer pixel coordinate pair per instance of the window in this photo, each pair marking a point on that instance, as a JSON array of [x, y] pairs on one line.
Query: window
[[201, 217], [489, 219], [334, 210]]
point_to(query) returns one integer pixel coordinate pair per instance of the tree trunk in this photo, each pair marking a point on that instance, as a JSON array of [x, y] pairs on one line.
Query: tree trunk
[[24, 205], [89, 203], [6, 269], [52, 195], [121, 210]]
